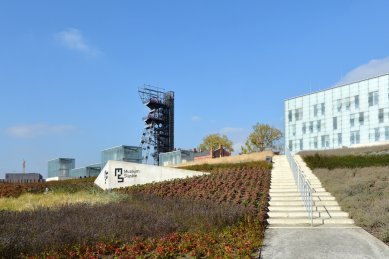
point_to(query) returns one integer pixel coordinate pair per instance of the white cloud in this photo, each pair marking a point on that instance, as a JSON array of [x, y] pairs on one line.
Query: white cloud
[[73, 39], [237, 135], [37, 130], [196, 118], [373, 68]]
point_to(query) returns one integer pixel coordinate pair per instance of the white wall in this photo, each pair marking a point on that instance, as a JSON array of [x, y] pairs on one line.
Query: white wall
[[117, 174]]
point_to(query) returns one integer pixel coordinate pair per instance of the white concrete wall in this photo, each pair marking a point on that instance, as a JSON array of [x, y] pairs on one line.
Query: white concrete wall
[[117, 174]]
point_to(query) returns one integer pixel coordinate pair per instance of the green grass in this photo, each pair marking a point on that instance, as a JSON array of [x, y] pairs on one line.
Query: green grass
[[348, 161]]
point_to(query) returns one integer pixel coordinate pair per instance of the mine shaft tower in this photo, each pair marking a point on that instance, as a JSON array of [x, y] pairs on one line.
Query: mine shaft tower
[[158, 134]]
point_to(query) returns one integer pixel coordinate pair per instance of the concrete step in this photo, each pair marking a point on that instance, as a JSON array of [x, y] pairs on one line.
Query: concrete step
[[330, 209], [319, 189], [338, 221], [326, 203], [294, 221], [296, 193], [298, 198], [338, 214], [282, 190], [296, 214], [283, 184], [283, 181], [285, 203]]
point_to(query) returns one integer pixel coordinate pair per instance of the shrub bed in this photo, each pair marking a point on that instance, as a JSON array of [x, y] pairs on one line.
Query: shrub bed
[[219, 215], [68, 186], [348, 161]]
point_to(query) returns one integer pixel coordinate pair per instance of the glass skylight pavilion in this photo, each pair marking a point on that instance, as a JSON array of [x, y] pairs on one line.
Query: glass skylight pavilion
[[60, 167], [122, 153], [355, 114]]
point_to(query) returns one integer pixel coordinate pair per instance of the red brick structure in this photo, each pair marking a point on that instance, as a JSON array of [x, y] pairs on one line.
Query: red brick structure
[[220, 152]]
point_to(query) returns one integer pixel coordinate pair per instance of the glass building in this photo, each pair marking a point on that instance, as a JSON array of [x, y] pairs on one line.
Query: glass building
[[175, 157], [122, 153], [88, 171], [60, 167], [354, 114]]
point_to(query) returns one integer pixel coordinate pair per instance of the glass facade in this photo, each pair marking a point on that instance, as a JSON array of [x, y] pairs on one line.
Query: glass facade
[[60, 167], [89, 171], [122, 153], [352, 114], [175, 157]]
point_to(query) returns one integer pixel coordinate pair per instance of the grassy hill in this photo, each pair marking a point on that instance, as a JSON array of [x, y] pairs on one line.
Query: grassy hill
[[217, 215], [359, 179]]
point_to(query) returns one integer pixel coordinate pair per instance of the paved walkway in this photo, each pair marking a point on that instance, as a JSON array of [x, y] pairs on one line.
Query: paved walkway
[[322, 242], [334, 234]]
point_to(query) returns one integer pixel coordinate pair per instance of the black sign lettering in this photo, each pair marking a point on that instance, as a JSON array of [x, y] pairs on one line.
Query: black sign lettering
[[118, 174]]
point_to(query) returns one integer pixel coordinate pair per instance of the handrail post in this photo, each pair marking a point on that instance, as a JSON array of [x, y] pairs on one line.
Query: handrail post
[[303, 184]]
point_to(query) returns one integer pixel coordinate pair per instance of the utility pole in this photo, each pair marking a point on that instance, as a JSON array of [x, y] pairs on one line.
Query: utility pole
[[24, 166]]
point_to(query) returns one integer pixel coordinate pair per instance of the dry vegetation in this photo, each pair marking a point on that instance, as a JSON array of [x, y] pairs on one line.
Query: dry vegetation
[[32, 232], [221, 215], [359, 179], [67, 186], [29, 201], [364, 193]]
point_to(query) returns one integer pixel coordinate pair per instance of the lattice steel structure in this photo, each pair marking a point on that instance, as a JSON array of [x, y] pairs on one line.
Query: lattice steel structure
[[158, 134]]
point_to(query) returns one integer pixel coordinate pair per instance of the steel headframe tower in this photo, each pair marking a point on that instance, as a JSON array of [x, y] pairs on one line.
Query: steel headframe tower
[[158, 134]]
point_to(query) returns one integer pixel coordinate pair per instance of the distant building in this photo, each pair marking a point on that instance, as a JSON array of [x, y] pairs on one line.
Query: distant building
[[220, 152], [88, 171], [122, 153], [23, 178], [354, 114], [176, 157], [60, 167]]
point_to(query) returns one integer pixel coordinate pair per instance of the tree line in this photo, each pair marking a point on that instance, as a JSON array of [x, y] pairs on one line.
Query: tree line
[[262, 137]]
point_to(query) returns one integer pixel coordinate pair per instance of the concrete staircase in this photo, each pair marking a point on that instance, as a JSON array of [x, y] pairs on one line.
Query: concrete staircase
[[286, 208]]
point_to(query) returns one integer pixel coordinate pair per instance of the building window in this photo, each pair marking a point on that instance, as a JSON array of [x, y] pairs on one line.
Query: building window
[[299, 114], [373, 98], [348, 103], [381, 115], [354, 137], [315, 110], [290, 145], [318, 126], [304, 128], [294, 130], [290, 116], [386, 133], [301, 144], [339, 104], [361, 118], [339, 139], [323, 109], [335, 123], [325, 141], [311, 127], [352, 120], [356, 101], [315, 142], [376, 134]]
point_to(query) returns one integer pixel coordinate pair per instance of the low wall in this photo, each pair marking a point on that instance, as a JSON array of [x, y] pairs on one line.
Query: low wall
[[257, 156], [118, 174]]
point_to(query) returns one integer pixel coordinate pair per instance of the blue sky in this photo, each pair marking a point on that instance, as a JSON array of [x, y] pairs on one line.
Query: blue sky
[[69, 70]]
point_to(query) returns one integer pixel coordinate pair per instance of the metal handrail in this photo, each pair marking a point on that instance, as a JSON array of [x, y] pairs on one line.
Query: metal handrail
[[303, 184]]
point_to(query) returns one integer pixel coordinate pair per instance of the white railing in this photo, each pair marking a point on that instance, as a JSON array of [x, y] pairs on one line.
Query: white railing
[[303, 184]]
